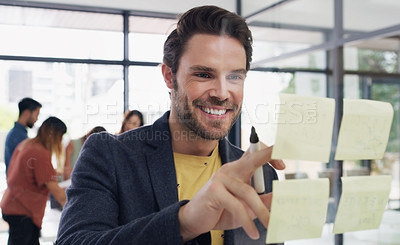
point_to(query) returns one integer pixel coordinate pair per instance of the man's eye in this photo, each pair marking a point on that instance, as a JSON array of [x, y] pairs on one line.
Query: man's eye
[[235, 77], [203, 75]]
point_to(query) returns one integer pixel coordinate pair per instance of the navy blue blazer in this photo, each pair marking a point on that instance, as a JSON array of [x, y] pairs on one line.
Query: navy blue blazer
[[124, 191]]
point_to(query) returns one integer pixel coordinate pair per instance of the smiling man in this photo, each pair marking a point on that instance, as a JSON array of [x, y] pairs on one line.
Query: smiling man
[[207, 89], [178, 181]]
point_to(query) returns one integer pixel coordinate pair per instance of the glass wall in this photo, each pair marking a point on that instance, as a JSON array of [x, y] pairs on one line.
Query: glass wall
[[142, 37], [152, 105], [261, 104], [82, 95], [349, 49], [60, 33], [282, 30], [146, 45], [77, 63]]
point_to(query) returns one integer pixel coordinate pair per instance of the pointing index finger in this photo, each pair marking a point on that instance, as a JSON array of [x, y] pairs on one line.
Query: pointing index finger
[[263, 156]]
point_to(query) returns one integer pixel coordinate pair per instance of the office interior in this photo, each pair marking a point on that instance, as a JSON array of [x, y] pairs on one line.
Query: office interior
[[89, 61]]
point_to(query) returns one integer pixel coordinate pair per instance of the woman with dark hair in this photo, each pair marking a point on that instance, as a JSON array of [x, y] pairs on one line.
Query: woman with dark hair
[[31, 177], [132, 119]]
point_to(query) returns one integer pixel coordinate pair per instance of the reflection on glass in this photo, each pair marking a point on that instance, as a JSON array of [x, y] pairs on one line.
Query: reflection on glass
[[312, 60], [387, 90], [373, 56], [374, 15], [260, 102], [289, 27], [299, 14], [260, 105]]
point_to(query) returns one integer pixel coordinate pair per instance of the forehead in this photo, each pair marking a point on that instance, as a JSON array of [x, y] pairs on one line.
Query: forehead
[[214, 49], [133, 118]]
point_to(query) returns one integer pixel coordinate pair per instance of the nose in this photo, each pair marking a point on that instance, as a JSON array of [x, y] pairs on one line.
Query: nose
[[220, 89]]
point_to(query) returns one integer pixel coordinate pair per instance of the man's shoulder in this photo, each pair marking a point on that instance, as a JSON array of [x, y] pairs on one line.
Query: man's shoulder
[[18, 132], [146, 134], [152, 133]]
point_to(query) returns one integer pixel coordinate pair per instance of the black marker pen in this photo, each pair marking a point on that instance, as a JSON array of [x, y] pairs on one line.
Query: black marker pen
[[258, 177]]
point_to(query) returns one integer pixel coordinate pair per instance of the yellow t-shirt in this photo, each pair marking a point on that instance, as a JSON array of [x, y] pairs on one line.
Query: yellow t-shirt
[[192, 173]]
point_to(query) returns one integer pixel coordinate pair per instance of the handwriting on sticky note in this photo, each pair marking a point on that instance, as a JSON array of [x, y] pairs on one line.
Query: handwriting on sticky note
[[364, 131], [298, 209], [362, 203], [304, 130]]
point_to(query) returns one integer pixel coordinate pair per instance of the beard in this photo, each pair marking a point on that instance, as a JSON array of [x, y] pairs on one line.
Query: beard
[[30, 124], [208, 130]]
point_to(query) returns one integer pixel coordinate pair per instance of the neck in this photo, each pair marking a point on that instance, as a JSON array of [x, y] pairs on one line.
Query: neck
[[22, 121], [186, 141]]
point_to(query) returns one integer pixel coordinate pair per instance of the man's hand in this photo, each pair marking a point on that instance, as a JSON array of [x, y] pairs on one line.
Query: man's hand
[[228, 200]]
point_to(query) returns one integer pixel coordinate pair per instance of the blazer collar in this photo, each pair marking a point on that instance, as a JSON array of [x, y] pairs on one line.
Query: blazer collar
[[160, 160]]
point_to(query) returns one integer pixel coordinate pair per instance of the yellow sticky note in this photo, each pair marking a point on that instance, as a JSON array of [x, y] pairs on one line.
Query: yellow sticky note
[[304, 130], [298, 209], [364, 130], [362, 203]]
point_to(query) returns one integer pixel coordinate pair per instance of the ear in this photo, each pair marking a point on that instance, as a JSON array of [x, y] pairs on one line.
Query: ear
[[168, 76]]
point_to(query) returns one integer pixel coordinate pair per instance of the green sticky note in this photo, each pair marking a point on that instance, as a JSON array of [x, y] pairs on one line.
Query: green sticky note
[[362, 203], [298, 209], [304, 130]]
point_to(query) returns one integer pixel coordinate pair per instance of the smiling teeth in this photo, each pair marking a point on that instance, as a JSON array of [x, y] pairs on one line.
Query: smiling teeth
[[214, 111]]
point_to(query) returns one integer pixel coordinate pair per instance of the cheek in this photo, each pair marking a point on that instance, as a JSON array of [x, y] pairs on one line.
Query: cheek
[[194, 90], [238, 96], [237, 92]]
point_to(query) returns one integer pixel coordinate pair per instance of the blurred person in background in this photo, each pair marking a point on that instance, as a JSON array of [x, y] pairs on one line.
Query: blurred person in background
[[29, 110], [74, 148], [31, 177], [132, 119], [71, 155]]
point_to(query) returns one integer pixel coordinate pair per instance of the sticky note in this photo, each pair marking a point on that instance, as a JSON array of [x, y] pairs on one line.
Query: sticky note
[[364, 130], [362, 203], [298, 209], [304, 130]]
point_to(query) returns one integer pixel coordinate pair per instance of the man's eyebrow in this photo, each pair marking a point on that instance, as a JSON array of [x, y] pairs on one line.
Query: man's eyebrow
[[202, 68], [209, 69], [243, 71]]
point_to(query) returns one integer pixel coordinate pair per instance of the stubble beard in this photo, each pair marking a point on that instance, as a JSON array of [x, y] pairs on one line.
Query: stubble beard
[[30, 124], [187, 117]]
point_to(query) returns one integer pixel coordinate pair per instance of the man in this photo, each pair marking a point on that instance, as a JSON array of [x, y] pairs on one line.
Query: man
[[29, 110], [135, 188]]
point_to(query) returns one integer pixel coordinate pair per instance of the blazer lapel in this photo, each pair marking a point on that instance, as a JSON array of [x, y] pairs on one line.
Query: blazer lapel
[[160, 162], [163, 177]]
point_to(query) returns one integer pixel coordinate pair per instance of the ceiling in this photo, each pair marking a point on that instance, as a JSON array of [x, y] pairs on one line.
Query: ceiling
[[163, 6], [359, 16], [298, 22], [314, 13]]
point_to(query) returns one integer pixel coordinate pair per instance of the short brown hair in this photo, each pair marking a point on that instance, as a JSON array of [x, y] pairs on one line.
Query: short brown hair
[[206, 20]]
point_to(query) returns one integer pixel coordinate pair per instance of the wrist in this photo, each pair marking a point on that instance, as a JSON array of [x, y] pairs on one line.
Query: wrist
[[184, 229]]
